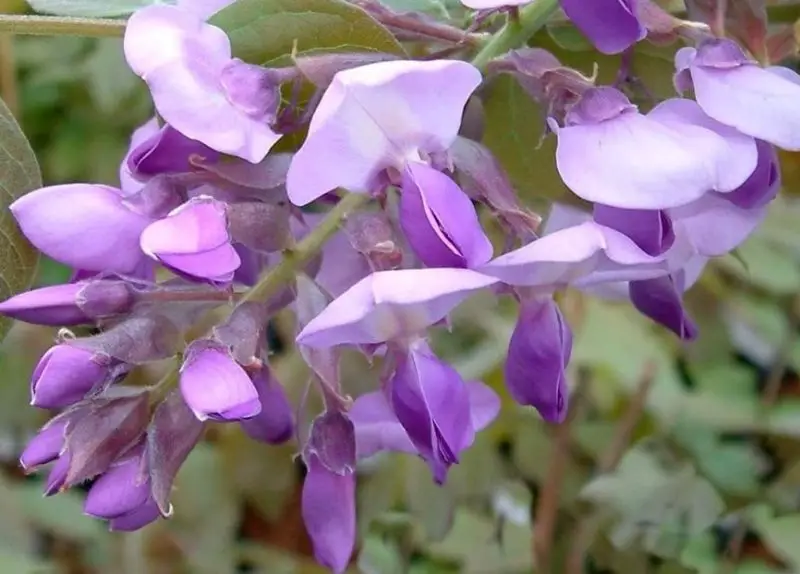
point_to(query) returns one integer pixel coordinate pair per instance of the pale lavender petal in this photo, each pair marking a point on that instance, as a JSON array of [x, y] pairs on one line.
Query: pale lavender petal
[[194, 239], [573, 253], [484, 404], [714, 226], [390, 304], [611, 25], [84, 226], [377, 427], [379, 116], [736, 154], [186, 90], [439, 220], [624, 159], [215, 387], [538, 354], [329, 513], [159, 35], [739, 93]]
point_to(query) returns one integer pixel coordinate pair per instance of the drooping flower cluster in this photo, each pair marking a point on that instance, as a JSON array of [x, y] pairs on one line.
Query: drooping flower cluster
[[205, 208]]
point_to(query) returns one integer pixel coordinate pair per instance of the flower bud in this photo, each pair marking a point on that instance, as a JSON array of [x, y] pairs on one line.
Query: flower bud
[[660, 299], [194, 240], [45, 446], [121, 489], [275, 423], [538, 353], [70, 304], [215, 386], [66, 373]]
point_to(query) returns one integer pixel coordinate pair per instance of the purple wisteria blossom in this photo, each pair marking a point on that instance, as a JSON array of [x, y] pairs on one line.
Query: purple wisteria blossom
[[188, 67], [381, 124]]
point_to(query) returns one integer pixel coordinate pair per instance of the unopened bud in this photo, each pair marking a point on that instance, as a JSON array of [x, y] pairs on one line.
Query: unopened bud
[[70, 304], [66, 373]]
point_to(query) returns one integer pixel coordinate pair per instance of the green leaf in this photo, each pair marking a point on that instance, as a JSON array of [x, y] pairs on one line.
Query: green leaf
[[780, 534], [19, 174], [13, 562], [661, 507], [91, 8], [262, 31], [514, 128]]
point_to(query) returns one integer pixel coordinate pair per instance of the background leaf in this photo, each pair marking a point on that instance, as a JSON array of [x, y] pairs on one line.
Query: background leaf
[[262, 31], [19, 174], [91, 8]]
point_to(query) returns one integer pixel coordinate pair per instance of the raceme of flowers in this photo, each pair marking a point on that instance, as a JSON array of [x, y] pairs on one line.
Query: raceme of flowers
[[203, 196]]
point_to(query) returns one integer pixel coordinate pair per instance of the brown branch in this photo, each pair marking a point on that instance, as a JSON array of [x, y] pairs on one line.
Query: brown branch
[[587, 527], [547, 505], [8, 74]]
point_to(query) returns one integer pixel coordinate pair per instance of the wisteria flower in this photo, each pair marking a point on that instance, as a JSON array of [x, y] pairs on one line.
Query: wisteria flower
[[609, 153], [197, 87], [378, 124], [735, 90]]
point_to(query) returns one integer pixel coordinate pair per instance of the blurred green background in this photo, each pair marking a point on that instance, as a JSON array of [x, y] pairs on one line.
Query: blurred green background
[[676, 459]]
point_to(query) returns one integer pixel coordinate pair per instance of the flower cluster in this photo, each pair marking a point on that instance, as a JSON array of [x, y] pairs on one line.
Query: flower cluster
[[397, 238]]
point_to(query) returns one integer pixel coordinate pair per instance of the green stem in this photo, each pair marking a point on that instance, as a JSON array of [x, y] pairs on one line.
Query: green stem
[[60, 26], [516, 31], [304, 251]]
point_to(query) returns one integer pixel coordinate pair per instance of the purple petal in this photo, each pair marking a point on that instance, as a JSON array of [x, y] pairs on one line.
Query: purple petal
[[757, 102], [377, 427], [215, 386], [128, 183], [660, 299], [736, 153], [391, 304], [84, 226], [484, 404], [275, 423], [55, 305], [629, 160], [329, 513], [538, 354], [763, 184], [439, 220], [64, 375], [166, 151], [377, 116], [45, 446], [120, 490], [431, 401], [194, 240], [611, 25], [57, 477], [575, 253], [651, 230], [136, 519]]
